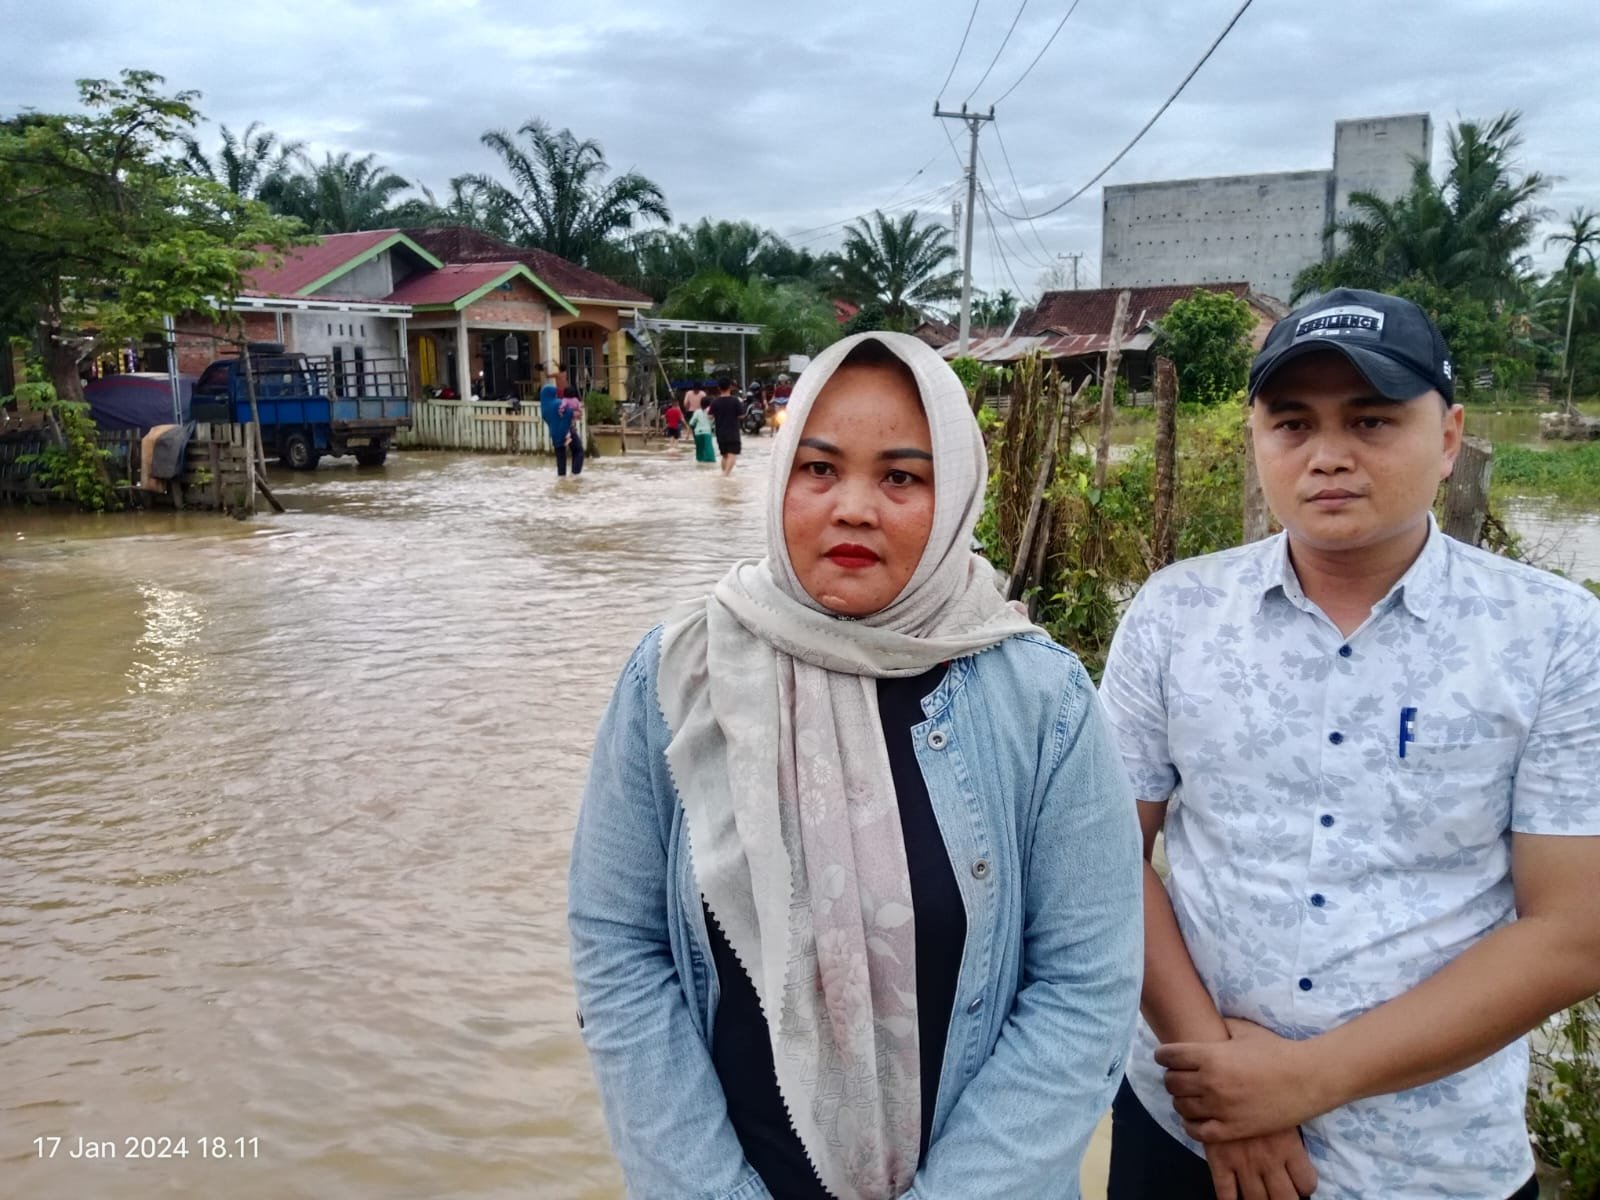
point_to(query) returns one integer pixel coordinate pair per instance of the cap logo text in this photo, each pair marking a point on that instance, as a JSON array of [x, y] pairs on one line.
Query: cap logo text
[[1341, 322]]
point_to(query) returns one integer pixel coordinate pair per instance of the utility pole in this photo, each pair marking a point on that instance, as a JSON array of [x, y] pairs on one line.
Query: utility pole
[[974, 121], [1074, 258]]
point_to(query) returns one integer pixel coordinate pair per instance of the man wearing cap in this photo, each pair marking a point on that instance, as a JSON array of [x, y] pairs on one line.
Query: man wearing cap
[[1375, 755]]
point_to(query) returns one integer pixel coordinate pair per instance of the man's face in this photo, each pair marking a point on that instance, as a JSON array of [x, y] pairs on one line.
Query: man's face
[[1342, 467]]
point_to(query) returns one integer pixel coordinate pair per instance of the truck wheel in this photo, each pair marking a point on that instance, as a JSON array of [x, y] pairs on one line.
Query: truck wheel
[[372, 456], [297, 452]]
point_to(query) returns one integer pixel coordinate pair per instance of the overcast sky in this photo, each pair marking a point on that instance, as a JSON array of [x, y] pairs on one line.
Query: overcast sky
[[804, 114]]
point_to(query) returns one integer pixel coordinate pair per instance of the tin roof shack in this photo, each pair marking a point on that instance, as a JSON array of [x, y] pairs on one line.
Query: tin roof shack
[[1073, 329]]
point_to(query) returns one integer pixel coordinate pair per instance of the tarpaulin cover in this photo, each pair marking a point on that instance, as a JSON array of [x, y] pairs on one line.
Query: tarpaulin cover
[[136, 401]]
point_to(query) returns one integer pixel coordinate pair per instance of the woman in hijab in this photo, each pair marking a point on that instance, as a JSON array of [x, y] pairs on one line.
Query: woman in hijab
[[855, 891]]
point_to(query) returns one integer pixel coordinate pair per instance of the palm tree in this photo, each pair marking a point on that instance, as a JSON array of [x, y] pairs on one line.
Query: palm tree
[[559, 199], [341, 195], [1465, 234], [1580, 237], [994, 310], [246, 163], [899, 263]]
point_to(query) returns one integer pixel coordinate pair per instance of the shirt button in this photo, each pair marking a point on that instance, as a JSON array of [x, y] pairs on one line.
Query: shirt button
[[1305, 985], [975, 1005], [1327, 820], [980, 869], [1318, 899], [938, 739], [1336, 737], [1345, 652]]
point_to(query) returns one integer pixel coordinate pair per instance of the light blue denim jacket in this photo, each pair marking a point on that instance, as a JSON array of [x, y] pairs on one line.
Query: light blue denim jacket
[[1040, 826]]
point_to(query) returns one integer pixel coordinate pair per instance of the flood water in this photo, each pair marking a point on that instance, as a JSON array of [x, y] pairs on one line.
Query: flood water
[[285, 808]]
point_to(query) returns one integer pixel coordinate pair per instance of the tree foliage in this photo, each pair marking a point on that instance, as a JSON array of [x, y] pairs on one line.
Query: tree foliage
[[901, 264], [1467, 233], [795, 317], [245, 163], [341, 194], [104, 234], [1581, 237], [999, 309], [1207, 337], [559, 198]]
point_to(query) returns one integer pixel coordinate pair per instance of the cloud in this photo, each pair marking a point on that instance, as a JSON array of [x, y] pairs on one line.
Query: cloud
[[799, 115]]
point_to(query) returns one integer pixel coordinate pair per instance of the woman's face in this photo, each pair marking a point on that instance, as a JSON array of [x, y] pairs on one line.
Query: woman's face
[[858, 507]]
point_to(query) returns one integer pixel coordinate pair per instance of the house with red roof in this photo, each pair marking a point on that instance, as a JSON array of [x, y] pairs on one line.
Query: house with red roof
[[453, 311], [1073, 328], [586, 340]]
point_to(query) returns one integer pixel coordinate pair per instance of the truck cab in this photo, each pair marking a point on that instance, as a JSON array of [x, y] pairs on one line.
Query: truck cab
[[309, 406]]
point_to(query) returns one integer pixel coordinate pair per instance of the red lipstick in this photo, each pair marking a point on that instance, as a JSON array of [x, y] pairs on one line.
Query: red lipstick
[[850, 555]]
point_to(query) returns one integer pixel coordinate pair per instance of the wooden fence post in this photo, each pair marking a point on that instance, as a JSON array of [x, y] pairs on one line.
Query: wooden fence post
[[1164, 539], [1108, 387], [1466, 497], [1257, 518]]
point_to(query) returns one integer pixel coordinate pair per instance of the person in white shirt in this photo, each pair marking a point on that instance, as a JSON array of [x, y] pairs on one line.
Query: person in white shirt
[[1375, 754]]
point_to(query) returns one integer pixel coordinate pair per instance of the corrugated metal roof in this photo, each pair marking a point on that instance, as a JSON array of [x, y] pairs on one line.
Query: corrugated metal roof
[[1091, 311], [459, 244], [304, 265], [450, 282], [1013, 349]]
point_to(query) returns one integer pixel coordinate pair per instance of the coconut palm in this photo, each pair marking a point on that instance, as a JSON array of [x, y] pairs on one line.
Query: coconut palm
[[899, 263], [559, 198], [1467, 233], [245, 163], [342, 194], [1581, 237]]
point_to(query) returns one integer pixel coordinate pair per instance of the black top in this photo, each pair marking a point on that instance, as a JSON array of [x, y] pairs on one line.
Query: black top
[[741, 1051], [726, 411]]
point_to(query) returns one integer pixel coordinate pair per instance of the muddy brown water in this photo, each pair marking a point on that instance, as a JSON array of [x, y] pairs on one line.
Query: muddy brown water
[[285, 808]]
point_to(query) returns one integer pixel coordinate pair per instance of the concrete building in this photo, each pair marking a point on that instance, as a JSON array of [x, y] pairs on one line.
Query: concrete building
[[1263, 229]]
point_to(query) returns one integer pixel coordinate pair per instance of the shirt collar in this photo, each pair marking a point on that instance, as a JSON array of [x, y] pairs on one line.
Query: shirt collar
[[1417, 589]]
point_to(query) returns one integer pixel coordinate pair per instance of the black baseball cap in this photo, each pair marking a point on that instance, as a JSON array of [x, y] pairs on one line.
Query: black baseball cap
[[1392, 342]]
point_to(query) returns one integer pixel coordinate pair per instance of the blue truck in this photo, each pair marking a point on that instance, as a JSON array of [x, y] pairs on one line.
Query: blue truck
[[310, 407]]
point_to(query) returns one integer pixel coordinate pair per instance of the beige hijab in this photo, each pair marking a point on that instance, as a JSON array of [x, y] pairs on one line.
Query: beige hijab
[[794, 828]]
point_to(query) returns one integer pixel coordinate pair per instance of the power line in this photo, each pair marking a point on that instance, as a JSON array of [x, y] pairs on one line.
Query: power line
[[1103, 171], [970, 18], [912, 176], [999, 246], [957, 153], [1014, 251], [1039, 55], [1025, 255], [1016, 187], [819, 231], [998, 52]]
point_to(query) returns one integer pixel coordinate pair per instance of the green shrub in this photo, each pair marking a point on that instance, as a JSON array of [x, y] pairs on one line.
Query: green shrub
[[600, 408], [1564, 1098], [75, 468]]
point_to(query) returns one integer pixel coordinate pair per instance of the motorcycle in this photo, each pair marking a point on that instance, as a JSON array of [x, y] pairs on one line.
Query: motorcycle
[[754, 418]]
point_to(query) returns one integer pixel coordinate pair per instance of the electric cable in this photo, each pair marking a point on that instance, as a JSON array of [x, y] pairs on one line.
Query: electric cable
[[1024, 255], [999, 245], [998, 52], [1017, 188], [1039, 55], [952, 72], [1103, 171], [817, 232]]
